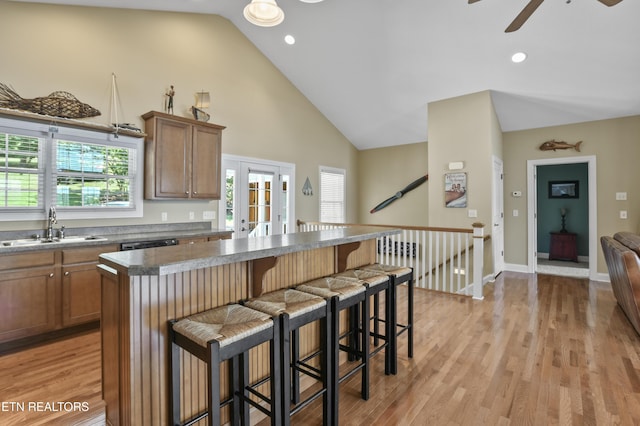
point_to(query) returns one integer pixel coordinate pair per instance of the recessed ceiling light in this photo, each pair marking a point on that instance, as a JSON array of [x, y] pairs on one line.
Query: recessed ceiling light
[[518, 57], [289, 39], [310, 1]]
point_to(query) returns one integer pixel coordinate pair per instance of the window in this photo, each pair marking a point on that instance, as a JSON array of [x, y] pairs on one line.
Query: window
[[83, 173], [332, 195]]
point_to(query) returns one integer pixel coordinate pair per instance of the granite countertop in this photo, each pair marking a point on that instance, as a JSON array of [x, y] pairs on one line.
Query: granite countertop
[[110, 235], [175, 259]]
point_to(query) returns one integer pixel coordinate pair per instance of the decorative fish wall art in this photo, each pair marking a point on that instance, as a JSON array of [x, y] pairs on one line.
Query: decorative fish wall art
[[553, 145], [57, 104]]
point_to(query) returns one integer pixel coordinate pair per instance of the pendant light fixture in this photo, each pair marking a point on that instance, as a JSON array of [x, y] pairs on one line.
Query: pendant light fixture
[[264, 13]]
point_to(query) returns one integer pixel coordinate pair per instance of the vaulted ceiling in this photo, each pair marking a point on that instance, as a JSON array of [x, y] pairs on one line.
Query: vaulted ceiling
[[372, 66]]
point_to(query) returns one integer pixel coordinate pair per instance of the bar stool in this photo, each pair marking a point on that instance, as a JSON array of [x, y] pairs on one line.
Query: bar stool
[[219, 334], [398, 275], [377, 282], [296, 309], [344, 294]]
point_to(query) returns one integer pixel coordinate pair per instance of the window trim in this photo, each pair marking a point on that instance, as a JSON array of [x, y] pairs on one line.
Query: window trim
[[51, 132]]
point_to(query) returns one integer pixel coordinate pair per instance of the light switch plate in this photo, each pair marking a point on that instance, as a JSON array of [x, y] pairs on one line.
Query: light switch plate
[[623, 214], [209, 215], [621, 196], [473, 213]]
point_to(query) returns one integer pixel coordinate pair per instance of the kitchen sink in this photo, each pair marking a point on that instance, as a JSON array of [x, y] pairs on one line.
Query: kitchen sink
[[25, 242]]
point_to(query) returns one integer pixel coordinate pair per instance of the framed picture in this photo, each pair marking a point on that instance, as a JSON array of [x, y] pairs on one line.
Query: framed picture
[[564, 189], [455, 190]]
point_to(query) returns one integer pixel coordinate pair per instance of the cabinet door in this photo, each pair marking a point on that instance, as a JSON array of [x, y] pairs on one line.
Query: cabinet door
[[205, 170], [80, 294], [173, 152], [27, 303]]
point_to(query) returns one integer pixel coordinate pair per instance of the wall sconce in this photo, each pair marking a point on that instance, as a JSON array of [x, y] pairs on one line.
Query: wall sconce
[[306, 188]]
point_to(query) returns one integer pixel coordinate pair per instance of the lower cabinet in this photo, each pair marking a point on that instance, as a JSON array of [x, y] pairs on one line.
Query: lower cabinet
[[49, 290], [27, 302], [81, 284]]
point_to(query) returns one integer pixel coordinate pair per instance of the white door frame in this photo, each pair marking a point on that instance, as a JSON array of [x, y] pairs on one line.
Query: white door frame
[[532, 228], [238, 163], [497, 231]]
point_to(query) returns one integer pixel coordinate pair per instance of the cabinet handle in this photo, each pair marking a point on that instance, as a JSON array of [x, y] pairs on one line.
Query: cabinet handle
[[66, 273], [51, 275], [186, 192]]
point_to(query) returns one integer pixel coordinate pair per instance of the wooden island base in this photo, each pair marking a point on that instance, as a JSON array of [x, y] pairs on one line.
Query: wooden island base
[[143, 289]]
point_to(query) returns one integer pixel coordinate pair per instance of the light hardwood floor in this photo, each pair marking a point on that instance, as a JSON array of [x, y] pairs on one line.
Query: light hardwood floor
[[539, 350]]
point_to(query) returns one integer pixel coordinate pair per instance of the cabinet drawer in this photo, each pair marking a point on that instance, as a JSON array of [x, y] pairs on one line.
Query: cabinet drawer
[[27, 260], [194, 240], [86, 254]]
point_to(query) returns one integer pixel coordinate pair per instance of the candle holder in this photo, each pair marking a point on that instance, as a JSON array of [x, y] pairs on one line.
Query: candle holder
[[563, 215]]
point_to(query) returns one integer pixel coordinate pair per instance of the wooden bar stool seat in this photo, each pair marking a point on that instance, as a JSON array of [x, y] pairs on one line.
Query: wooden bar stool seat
[[398, 275], [344, 294], [219, 334], [296, 309]]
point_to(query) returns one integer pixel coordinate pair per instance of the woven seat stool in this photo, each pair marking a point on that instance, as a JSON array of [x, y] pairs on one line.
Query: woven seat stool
[[377, 283], [296, 309], [219, 334], [398, 275], [344, 294]]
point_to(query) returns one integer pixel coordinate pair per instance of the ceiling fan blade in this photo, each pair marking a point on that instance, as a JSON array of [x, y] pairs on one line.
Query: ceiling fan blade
[[605, 2], [475, 1], [523, 16], [416, 183], [384, 204]]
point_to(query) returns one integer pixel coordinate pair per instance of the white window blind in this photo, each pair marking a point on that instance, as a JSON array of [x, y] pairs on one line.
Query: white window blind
[[83, 173], [22, 171], [332, 195]]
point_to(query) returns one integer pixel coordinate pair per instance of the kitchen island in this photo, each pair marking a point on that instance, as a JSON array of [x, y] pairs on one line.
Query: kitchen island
[[143, 289]]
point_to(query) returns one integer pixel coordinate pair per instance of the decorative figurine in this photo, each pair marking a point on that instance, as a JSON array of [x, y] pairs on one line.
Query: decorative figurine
[[170, 94]]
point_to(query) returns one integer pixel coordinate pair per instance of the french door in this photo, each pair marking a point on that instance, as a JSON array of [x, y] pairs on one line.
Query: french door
[[258, 197]]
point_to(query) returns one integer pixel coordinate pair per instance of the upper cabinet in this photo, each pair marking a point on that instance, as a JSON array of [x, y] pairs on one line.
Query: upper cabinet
[[182, 158]]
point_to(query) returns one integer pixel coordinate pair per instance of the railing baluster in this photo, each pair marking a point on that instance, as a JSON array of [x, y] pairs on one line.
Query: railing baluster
[[442, 255]]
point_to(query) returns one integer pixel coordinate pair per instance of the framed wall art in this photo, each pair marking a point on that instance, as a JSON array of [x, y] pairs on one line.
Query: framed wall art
[[564, 189], [455, 190]]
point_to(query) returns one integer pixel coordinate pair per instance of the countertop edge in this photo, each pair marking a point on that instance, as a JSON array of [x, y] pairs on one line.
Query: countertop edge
[[216, 254]]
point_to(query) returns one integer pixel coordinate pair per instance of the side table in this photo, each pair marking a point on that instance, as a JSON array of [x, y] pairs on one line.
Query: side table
[[563, 246]]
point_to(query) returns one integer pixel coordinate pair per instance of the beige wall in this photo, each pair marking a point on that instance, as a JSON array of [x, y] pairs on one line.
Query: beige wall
[[616, 146], [461, 129], [464, 129], [76, 49], [384, 171]]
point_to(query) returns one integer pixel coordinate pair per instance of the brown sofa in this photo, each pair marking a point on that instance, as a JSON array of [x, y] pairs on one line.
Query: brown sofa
[[622, 253]]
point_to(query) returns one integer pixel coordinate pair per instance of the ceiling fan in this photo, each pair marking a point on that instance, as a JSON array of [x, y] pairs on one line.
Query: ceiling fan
[[532, 6]]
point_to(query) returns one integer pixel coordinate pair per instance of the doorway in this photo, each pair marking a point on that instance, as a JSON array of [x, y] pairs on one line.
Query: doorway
[[258, 197], [534, 217]]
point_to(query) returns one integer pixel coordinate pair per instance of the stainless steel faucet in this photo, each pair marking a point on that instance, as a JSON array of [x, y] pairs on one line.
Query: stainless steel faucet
[[51, 221]]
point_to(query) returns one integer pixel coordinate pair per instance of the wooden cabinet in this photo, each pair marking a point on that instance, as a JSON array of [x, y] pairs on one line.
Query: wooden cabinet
[[48, 290], [28, 287], [182, 158], [81, 284], [196, 240], [563, 246]]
